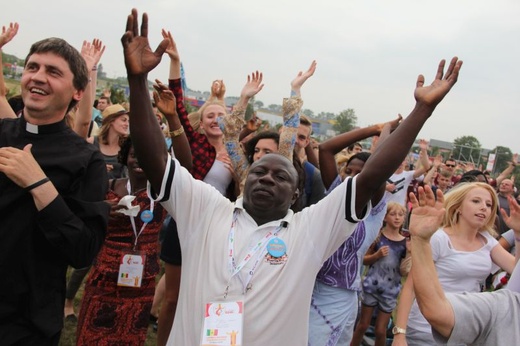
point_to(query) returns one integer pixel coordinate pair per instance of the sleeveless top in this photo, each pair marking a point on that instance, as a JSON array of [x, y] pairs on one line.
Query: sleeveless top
[[118, 170]]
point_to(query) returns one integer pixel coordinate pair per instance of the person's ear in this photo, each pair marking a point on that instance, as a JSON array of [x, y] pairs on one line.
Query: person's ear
[[295, 196]]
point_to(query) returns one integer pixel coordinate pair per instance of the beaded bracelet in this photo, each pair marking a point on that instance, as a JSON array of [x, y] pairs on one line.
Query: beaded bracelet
[[36, 184], [177, 133]]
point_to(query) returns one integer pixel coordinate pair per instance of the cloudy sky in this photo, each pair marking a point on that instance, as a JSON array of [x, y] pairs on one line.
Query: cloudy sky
[[369, 53]]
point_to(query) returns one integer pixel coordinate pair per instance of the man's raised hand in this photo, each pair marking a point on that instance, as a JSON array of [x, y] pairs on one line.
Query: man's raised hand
[[139, 58]]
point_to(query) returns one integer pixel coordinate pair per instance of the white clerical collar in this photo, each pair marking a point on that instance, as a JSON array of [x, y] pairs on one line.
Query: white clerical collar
[[31, 128]]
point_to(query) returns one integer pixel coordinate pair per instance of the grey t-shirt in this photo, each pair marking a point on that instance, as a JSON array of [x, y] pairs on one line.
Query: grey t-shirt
[[489, 318]]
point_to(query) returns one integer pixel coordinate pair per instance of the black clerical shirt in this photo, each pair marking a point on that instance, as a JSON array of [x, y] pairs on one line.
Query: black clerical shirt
[[36, 247]]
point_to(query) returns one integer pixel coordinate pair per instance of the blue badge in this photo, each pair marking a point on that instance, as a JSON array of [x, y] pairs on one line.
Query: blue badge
[[146, 216], [276, 247]]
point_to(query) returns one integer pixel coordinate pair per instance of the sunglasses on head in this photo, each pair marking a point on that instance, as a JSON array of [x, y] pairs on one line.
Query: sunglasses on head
[[405, 233]]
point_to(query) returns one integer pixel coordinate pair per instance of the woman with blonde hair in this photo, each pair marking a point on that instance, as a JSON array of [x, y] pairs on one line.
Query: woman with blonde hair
[[464, 251]]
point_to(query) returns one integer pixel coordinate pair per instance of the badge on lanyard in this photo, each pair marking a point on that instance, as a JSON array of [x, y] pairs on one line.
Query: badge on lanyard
[[131, 270], [223, 323], [146, 216], [276, 247]]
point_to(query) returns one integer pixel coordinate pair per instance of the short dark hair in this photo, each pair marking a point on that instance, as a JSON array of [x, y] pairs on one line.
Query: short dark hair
[[70, 54], [363, 156], [353, 145], [471, 176]]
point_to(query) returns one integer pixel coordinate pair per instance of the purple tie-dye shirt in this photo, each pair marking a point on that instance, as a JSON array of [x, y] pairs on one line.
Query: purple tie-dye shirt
[[342, 269]]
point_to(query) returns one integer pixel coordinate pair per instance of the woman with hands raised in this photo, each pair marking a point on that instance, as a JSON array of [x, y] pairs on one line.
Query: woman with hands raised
[[464, 251], [463, 318]]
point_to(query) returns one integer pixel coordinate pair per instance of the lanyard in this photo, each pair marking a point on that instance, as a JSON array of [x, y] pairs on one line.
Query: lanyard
[[259, 249], [132, 219]]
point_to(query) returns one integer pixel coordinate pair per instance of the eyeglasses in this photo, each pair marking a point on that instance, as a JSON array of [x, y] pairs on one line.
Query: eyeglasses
[[450, 165], [405, 233]]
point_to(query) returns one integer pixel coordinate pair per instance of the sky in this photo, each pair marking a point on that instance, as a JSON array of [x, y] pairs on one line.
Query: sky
[[369, 53]]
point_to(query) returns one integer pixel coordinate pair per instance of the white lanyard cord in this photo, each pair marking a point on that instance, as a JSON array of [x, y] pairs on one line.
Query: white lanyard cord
[[255, 249], [132, 219]]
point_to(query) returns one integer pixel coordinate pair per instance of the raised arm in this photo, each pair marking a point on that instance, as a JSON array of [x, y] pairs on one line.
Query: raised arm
[[430, 176], [291, 112], [232, 124], [6, 111], [513, 221], [423, 159], [427, 214], [203, 153], [508, 171], [165, 101], [333, 146], [147, 137], [385, 160], [92, 53], [252, 87]]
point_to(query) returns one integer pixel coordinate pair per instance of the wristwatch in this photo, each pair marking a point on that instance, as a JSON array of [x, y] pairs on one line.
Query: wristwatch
[[397, 330]]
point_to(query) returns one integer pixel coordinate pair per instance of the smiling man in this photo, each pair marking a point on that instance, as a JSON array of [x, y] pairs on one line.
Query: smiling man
[[52, 189], [249, 267]]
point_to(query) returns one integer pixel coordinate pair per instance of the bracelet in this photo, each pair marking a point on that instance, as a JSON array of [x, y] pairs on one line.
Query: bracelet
[[94, 68], [177, 133], [36, 184]]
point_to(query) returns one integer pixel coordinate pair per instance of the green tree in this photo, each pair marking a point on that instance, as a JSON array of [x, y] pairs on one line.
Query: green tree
[[503, 156], [117, 95], [308, 113], [466, 149], [258, 104], [274, 108], [249, 111], [345, 121]]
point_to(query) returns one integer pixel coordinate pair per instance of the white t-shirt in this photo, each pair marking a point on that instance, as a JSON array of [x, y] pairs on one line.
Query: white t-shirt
[[276, 309], [401, 182], [219, 177], [458, 271]]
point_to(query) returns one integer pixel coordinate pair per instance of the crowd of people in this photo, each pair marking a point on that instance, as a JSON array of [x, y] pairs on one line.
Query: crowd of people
[[265, 236]]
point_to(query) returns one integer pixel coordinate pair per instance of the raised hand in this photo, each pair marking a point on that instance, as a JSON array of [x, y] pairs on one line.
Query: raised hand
[[8, 33], [164, 99], [139, 58], [92, 52], [395, 123], [513, 219], [301, 77], [218, 90], [254, 123], [427, 213], [171, 49], [423, 144], [434, 93], [253, 85], [437, 161]]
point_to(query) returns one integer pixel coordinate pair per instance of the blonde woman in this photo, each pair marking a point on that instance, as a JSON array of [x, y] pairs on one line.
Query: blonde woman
[[464, 251]]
